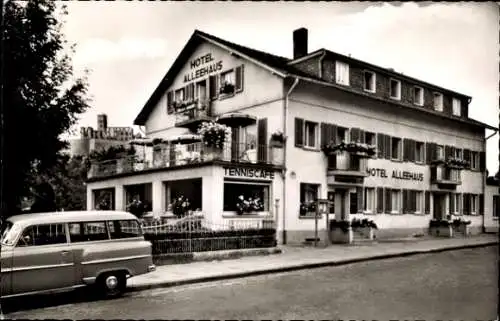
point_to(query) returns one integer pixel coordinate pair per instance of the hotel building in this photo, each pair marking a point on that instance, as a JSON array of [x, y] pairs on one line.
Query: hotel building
[[318, 100]]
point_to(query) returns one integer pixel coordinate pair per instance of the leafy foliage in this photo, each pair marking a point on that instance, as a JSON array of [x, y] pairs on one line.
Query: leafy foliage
[[42, 98]]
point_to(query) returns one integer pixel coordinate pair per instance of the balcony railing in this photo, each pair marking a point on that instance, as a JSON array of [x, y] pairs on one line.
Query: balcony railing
[[180, 155], [193, 114], [445, 175], [345, 163]]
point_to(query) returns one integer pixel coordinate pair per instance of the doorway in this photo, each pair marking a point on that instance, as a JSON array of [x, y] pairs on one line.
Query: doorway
[[439, 204]]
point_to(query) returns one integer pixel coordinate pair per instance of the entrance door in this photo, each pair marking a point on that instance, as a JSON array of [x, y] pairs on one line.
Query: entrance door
[[438, 206]]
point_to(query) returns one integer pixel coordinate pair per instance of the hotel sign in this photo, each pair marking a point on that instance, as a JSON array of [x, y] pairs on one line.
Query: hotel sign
[[396, 174], [248, 172], [206, 65]]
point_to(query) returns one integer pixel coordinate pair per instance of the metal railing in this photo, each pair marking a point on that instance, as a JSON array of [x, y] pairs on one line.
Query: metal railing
[[197, 110], [178, 155]]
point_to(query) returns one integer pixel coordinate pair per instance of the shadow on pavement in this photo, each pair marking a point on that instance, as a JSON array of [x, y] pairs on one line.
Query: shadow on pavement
[[30, 302]]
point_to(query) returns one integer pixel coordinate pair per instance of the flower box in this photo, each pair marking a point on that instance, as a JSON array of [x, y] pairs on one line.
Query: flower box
[[359, 149], [214, 134], [441, 228], [227, 88], [277, 139]]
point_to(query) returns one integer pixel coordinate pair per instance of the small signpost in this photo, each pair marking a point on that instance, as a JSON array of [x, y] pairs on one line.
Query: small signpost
[[321, 208]]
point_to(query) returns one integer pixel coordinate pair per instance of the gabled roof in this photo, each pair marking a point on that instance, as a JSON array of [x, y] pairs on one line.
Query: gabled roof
[[280, 66]]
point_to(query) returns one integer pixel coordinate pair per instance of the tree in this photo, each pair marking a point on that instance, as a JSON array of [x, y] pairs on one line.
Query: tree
[[42, 98]]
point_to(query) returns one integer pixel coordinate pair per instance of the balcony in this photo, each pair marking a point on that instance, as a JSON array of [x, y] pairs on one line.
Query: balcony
[[445, 177], [171, 156], [193, 114], [346, 164]]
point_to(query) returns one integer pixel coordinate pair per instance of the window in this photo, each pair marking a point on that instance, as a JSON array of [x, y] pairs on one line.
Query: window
[[412, 201], [369, 81], [457, 107], [418, 201], [124, 229], [473, 204], [369, 200], [458, 153], [227, 78], [496, 206], [308, 197], [456, 204], [474, 160], [250, 192], [45, 234], [419, 152], [341, 73], [439, 152], [342, 134], [201, 90], [395, 89], [396, 148], [395, 202], [438, 101], [88, 231], [370, 138], [310, 134], [179, 95], [418, 96]]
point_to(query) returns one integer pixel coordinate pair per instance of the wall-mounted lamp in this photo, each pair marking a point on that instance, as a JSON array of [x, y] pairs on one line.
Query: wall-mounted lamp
[[293, 175]]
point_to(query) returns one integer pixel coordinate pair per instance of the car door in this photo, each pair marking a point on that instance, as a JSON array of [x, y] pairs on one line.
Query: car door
[[6, 269], [42, 259]]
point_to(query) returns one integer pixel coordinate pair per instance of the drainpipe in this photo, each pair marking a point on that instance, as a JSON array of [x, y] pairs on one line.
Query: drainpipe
[[285, 130], [484, 179], [320, 62]]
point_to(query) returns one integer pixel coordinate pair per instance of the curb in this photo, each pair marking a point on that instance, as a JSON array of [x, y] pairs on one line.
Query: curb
[[304, 266]]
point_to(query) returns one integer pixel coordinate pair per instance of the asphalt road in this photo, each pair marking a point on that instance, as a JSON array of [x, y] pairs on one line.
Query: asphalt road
[[456, 285]]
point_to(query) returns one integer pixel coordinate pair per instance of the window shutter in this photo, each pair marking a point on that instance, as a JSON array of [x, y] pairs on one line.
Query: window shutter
[[324, 134], [262, 140], [463, 107], [427, 202], [170, 108], [447, 152], [362, 136], [359, 191], [332, 134], [299, 132], [433, 173], [355, 135], [239, 78], [405, 149], [460, 206], [481, 204], [380, 145], [380, 200], [466, 203], [467, 156], [428, 153], [387, 140], [482, 161], [213, 85], [405, 200], [452, 203], [413, 150], [388, 200]]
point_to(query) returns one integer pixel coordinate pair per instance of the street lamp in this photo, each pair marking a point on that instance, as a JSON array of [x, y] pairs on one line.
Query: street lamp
[[321, 208]]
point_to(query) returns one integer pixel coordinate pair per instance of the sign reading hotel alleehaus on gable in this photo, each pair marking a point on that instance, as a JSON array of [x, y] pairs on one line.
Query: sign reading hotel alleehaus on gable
[[248, 172], [205, 65], [396, 174]]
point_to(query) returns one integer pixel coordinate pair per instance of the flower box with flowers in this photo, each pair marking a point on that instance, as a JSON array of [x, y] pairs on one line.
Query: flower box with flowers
[[214, 135], [461, 226], [250, 205], [340, 231], [308, 209], [364, 227], [181, 206], [441, 228], [277, 139], [451, 162], [227, 88], [359, 149]]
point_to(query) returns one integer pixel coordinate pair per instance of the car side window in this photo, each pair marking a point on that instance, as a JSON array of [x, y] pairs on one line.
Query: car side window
[[88, 231], [124, 229], [43, 234]]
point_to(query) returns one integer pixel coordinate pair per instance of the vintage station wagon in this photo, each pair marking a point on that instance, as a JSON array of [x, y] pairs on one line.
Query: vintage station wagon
[[47, 252]]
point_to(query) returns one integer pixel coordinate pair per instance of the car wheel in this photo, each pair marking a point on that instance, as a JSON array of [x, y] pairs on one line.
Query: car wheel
[[112, 285]]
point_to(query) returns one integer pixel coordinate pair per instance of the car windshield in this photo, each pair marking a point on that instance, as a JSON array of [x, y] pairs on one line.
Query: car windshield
[[9, 233]]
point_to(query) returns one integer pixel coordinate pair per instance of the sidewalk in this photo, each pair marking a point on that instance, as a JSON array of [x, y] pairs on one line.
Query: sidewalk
[[296, 258]]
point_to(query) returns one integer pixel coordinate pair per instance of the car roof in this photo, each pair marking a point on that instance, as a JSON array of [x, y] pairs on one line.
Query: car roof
[[68, 217]]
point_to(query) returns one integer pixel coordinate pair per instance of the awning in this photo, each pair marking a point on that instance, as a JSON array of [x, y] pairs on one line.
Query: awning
[[236, 119], [183, 139]]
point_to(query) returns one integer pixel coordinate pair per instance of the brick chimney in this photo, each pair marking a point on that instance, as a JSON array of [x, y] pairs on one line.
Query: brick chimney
[[299, 43]]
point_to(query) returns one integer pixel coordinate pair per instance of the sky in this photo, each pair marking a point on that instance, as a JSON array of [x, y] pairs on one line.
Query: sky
[[129, 46]]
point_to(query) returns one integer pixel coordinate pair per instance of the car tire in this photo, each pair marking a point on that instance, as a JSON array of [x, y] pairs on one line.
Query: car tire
[[112, 285]]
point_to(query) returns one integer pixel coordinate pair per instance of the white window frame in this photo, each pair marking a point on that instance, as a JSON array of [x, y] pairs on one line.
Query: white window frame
[[440, 151], [395, 201], [306, 134], [420, 155], [420, 90], [232, 77], [459, 153], [373, 81], [369, 200], [342, 73], [457, 107], [180, 92], [456, 203], [398, 89], [346, 135], [418, 202], [267, 202], [438, 105], [473, 204], [400, 143], [474, 160]]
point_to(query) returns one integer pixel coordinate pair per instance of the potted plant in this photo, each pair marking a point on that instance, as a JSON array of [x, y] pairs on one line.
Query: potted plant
[[214, 136], [364, 227], [340, 231], [226, 88], [277, 139], [356, 148]]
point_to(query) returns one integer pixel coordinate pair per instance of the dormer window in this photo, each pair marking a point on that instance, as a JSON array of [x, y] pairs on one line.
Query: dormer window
[[369, 81], [438, 101], [457, 107], [418, 96], [341, 73], [395, 89]]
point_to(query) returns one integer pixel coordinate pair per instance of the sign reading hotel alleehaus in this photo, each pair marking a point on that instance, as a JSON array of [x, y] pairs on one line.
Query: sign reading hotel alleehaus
[[397, 174], [248, 172], [207, 64]]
